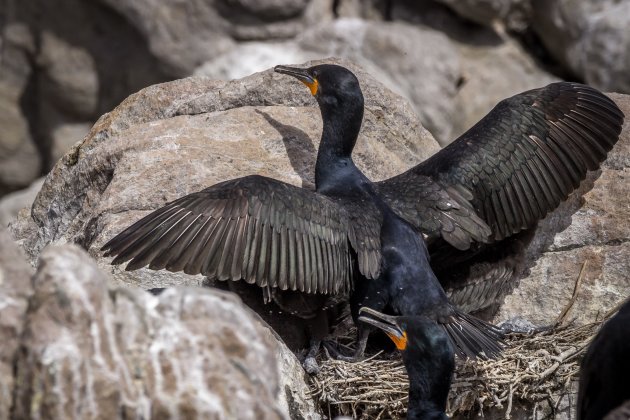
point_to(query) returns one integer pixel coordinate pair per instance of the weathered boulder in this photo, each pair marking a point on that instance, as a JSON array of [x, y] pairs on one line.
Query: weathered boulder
[[515, 13], [12, 203], [491, 70], [15, 290], [598, 236], [19, 158], [589, 37], [56, 74], [250, 57], [185, 36], [88, 352]]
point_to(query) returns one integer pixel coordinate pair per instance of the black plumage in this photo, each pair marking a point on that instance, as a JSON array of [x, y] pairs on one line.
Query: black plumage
[[522, 159], [428, 357], [605, 371], [407, 285], [254, 228], [497, 179]]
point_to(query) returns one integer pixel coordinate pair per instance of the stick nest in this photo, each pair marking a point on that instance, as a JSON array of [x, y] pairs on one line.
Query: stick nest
[[533, 368]]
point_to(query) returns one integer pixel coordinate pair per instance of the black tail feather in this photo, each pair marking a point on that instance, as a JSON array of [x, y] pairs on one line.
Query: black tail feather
[[472, 337]]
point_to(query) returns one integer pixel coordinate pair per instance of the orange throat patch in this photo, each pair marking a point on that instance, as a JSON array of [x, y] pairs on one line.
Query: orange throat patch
[[401, 342], [312, 86]]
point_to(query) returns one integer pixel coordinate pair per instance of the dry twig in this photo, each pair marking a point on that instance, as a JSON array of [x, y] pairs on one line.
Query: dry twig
[[576, 288]]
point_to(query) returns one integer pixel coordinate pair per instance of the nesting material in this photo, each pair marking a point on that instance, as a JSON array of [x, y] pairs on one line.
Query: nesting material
[[534, 368]]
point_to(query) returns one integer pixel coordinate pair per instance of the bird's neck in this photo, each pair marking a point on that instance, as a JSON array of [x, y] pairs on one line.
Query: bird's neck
[[339, 135], [421, 406], [428, 391], [425, 412]]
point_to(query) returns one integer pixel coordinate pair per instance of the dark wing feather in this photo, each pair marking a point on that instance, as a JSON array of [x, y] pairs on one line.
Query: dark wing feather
[[365, 236], [436, 210], [525, 157], [487, 286], [472, 337], [257, 229]]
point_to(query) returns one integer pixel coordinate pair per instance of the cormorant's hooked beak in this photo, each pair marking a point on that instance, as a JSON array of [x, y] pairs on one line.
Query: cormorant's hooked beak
[[387, 323], [300, 74]]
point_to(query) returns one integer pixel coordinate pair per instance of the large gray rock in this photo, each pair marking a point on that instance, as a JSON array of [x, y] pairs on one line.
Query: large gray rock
[[590, 37], [250, 57], [598, 234], [89, 352], [19, 159], [15, 290], [515, 13], [12, 203], [61, 68], [183, 36], [490, 72], [172, 139]]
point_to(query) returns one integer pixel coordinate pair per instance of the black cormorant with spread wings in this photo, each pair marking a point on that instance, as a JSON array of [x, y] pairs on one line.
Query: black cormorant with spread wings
[[354, 236]]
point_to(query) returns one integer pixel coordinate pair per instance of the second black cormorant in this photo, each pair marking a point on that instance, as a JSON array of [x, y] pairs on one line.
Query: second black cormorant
[[605, 371], [353, 236], [428, 357]]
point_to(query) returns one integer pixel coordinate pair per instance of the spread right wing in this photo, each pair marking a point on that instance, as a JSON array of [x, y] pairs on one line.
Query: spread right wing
[[258, 229], [522, 159]]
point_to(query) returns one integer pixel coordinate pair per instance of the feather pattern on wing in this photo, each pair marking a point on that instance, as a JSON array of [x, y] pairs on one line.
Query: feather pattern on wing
[[519, 162], [258, 229]]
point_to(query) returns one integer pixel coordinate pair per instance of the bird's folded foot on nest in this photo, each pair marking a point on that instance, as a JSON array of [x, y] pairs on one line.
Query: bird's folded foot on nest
[[310, 364], [518, 325], [334, 352]]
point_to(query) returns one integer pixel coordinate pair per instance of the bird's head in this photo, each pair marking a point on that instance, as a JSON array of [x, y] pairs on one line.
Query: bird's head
[[416, 334], [333, 86], [428, 357]]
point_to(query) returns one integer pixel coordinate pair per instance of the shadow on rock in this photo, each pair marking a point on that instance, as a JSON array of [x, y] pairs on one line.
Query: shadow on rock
[[300, 149]]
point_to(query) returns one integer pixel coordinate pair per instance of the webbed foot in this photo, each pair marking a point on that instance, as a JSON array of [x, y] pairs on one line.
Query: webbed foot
[[333, 350], [309, 364]]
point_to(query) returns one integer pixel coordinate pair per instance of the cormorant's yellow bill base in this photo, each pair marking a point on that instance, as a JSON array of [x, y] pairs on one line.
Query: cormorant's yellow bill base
[[386, 323], [312, 86], [400, 342], [300, 74]]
